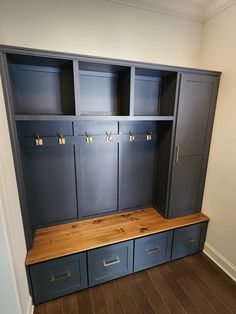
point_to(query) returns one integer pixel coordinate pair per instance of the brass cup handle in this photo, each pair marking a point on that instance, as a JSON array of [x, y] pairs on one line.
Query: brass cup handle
[[152, 251], [59, 277], [113, 262]]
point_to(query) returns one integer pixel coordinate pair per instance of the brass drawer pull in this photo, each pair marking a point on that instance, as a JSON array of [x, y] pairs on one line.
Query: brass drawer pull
[[191, 240], [115, 261], [154, 250], [59, 277], [38, 141]]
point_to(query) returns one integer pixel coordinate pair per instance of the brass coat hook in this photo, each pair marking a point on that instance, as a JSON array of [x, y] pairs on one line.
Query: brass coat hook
[[38, 141]]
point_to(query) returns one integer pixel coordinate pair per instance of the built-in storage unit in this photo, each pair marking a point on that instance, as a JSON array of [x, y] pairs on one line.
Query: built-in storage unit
[[93, 137]]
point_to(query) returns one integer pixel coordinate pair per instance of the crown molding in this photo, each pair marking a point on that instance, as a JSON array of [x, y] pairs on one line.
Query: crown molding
[[196, 10]]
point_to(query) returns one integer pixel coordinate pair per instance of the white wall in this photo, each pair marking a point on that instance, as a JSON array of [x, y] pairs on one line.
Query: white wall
[[102, 28], [10, 217], [219, 52]]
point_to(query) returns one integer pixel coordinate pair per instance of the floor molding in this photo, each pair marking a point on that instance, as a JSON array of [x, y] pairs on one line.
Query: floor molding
[[220, 260], [30, 308]]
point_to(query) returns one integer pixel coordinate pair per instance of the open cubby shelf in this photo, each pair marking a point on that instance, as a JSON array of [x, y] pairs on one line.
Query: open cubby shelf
[[103, 89], [41, 86]]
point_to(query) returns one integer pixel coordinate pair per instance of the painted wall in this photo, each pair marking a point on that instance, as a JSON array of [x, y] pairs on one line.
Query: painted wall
[[218, 52], [102, 28], [11, 220]]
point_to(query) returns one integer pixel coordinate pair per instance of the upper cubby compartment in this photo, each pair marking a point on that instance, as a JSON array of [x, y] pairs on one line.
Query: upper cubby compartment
[[154, 93], [104, 89], [41, 86]]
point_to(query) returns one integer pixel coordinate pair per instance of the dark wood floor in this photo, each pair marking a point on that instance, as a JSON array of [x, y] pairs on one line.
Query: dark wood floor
[[190, 285]]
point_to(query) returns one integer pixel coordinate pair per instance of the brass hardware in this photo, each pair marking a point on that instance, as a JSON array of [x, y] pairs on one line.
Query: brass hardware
[[151, 251], [63, 276], [191, 240], [132, 137], [149, 136], [38, 141], [109, 137], [115, 261], [61, 140], [89, 139], [177, 154]]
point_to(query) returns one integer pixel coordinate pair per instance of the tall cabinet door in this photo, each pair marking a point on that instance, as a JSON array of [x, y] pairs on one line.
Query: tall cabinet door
[[192, 140]]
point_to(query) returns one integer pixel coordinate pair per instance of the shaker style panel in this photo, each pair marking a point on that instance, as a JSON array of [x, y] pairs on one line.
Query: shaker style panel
[[136, 174], [152, 250], [49, 175], [96, 172], [188, 240], [192, 140], [110, 262], [58, 277]]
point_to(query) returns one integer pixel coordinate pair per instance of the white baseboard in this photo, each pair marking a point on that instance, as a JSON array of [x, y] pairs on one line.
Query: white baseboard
[[30, 308], [220, 260]]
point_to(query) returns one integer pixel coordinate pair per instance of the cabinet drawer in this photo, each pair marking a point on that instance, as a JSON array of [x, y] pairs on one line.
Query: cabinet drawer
[[58, 277], [188, 240], [110, 262], [152, 250]]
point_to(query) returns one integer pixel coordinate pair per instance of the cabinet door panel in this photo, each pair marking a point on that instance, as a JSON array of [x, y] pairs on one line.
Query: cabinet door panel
[[50, 184], [136, 171], [96, 178], [193, 133], [185, 186], [193, 114]]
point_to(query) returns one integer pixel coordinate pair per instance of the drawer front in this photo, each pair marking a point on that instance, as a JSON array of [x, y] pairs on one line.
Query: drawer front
[[110, 262], [188, 240], [58, 277], [152, 250]]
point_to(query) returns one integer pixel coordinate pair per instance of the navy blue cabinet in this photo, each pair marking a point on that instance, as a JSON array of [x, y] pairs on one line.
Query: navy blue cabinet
[[196, 107], [152, 250], [58, 277], [188, 240], [110, 262]]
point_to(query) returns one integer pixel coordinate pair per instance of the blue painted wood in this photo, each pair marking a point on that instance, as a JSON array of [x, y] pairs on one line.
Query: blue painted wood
[[136, 174], [95, 127], [188, 240], [42, 85], [58, 277], [96, 172], [49, 175], [152, 250], [110, 262], [44, 128]]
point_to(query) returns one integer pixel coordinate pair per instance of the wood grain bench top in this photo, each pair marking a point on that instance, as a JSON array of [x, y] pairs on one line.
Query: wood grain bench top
[[65, 239]]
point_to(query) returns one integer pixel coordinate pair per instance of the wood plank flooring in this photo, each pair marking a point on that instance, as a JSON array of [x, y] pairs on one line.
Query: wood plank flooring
[[193, 284]]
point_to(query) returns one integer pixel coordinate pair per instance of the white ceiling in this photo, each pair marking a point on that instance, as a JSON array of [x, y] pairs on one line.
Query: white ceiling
[[198, 10]]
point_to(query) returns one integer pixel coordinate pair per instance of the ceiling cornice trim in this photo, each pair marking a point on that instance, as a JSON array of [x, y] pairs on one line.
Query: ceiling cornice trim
[[181, 8]]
